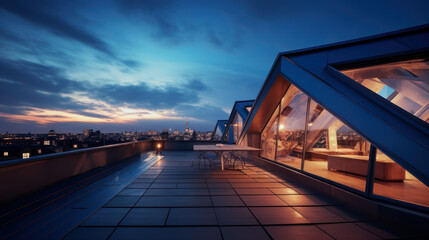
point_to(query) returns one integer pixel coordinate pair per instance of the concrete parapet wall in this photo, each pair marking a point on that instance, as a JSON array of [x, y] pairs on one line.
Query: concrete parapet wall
[[23, 176]]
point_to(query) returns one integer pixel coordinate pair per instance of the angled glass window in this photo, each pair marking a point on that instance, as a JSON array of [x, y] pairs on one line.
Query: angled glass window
[[334, 151], [393, 181], [268, 137], [292, 127], [405, 84], [237, 125], [218, 134]]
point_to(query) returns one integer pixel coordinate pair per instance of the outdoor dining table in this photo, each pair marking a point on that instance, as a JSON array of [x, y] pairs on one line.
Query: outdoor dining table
[[221, 148]]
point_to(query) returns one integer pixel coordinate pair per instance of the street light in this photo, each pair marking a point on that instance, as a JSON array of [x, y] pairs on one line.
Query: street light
[[158, 148]]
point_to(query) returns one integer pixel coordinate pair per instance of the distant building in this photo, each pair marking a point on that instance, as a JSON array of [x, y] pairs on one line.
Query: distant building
[[87, 132]]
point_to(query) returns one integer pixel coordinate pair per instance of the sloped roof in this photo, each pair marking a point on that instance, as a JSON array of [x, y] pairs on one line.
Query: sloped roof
[[221, 124], [399, 134], [239, 107]]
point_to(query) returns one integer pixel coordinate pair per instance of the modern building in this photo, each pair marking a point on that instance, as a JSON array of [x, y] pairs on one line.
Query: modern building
[[219, 130], [354, 115], [237, 118]]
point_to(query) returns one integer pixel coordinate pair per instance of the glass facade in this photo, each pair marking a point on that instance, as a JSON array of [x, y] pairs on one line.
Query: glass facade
[[393, 181], [300, 130], [405, 84], [269, 137], [292, 128], [218, 134], [332, 149], [237, 125]]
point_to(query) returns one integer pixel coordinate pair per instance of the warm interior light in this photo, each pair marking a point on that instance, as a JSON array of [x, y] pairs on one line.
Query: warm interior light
[[158, 145], [281, 127]]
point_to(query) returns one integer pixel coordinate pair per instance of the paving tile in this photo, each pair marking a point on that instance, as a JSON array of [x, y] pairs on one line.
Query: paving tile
[[259, 176], [180, 176], [222, 191], [304, 200], [302, 190], [253, 191], [106, 217], [138, 185], [191, 185], [214, 180], [266, 180], [144, 180], [167, 233], [152, 176], [298, 232], [348, 231], [227, 201], [219, 185], [262, 200], [90, 233], [235, 216], [257, 185], [244, 232], [348, 214], [319, 215], [163, 185], [177, 192], [248, 180], [122, 201], [132, 192], [283, 191], [145, 217], [181, 180], [175, 201], [228, 176], [191, 216], [278, 215], [383, 231]]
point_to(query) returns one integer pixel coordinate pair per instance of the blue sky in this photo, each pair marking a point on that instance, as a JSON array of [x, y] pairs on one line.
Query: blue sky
[[121, 65]]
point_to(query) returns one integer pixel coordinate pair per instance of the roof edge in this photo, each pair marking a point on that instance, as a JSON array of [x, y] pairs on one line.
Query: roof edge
[[357, 40]]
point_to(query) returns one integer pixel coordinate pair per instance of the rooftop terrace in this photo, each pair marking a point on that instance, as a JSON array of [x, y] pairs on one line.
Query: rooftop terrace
[[167, 197]]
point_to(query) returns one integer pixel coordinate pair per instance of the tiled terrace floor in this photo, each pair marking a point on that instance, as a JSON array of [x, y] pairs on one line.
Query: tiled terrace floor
[[175, 200]]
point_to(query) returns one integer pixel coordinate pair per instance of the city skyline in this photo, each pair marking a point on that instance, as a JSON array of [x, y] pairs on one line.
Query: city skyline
[[132, 66]]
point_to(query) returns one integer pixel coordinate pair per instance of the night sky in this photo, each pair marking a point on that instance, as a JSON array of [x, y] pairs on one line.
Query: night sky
[[125, 65]]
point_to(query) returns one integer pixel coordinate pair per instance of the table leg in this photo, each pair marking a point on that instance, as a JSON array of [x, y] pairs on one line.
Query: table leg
[[221, 159]]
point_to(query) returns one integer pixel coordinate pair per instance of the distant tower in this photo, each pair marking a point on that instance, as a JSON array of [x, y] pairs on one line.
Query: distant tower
[[52, 133], [187, 126]]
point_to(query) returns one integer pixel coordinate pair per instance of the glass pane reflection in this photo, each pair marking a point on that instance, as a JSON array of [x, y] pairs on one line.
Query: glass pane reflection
[[268, 137], [405, 84], [393, 181], [335, 151], [292, 128], [237, 125]]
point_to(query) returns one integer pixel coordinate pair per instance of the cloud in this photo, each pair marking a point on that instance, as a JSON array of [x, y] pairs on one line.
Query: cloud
[[269, 10], [39, 15], [143, 95], [158, 14], [33, 92], [174, 28], [25, 83], [196, 84]]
